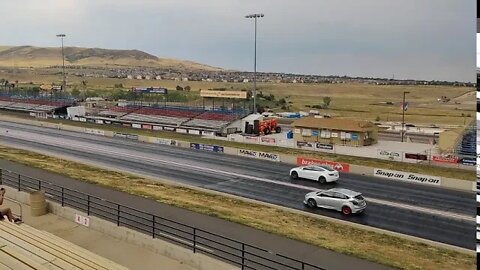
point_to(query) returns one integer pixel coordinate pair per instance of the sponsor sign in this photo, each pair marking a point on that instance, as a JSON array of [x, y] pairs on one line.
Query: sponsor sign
[[416, 156], [181, 130], [208, 133], [305, 144], [468, 161], [136, 126], [127, 125], [95, 131], [391, 155], [251, 139], [223, 94], [150, 90], [259, 155], [354, 137], [339, 166], [147, 126], [408, 177], [108, 122], [267, 140], [85, 221], [98, 121], [323, 146], [132, 137], [125, 136], [169, 128], [165, 141], [194, 131], [207, 147], [157, 128], [445, 159]]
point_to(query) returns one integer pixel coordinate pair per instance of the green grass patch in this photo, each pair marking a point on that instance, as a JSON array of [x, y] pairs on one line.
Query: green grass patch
[[376, 247]]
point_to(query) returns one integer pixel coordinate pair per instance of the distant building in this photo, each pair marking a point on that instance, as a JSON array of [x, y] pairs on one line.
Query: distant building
[[245, 80], [158, 77], [185, 79], [129, 77], [335, 131], [139, 77], [147, 77]]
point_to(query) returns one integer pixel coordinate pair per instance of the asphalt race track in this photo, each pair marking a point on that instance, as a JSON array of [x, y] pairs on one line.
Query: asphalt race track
[[433, 213]]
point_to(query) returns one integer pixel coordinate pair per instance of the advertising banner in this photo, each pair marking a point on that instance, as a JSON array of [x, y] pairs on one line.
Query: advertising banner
[[445, 159], [147, 126], [306, 145], [416, 156], [468, 161], [390, 155], [322, 146], [136, 126], [251, 139], [95, 131], [339, 166], [150, 90], [408, 177], [207, 147], [267, 140], [165, 141], [259, 155], [223, 94]]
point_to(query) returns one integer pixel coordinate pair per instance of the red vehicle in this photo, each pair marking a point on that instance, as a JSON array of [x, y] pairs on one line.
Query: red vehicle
[[268, 126]]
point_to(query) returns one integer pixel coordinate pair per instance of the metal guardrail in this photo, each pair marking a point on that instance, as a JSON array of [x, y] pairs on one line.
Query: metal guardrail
[[229, 250]]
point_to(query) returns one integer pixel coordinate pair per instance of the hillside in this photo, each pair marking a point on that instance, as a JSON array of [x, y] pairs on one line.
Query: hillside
[[29, 56]]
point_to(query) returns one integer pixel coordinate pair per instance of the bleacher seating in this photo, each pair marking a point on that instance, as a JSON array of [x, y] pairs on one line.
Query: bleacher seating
[[24, 248], [158, 119], [118, 111], [467, 146], [28, 105]]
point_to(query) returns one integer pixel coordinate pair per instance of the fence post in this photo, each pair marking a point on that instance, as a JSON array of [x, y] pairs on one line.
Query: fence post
[[303, 266], [243, 256], [1, 176], [153, 226], [194, 240], [18, 182], [88, 205], [63, 193], [118, 214]]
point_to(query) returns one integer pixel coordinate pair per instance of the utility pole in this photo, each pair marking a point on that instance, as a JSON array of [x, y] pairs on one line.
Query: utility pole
[[255, 16], [62, 36], [403, 114]]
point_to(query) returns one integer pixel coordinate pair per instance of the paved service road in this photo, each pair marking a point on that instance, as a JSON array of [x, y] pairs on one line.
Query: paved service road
[[433, 213]]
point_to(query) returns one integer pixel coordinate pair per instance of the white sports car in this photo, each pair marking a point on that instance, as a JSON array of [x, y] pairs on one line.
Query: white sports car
[[322, 174]]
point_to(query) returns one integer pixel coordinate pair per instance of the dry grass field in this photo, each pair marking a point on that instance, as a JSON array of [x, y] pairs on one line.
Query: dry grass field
[[381, 248], [358, 101]]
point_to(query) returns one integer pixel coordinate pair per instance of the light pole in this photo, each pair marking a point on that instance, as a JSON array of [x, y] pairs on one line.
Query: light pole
[[255, 16], [62, 36], [403, 113]]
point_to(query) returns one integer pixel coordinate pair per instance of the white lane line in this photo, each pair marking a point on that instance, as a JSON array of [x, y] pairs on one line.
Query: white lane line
[[142, 157]]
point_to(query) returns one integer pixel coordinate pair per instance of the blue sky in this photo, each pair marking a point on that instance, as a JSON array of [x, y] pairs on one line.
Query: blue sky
[[418, 39]]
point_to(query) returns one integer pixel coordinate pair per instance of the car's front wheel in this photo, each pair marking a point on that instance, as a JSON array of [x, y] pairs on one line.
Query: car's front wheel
[[294, 175], [312, 203], [346, 210]]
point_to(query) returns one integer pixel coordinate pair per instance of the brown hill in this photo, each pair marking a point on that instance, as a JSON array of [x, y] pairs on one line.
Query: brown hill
[[29, 56]]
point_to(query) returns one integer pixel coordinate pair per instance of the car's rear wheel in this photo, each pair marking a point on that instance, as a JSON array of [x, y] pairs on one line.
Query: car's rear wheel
[[312, 203], [322, 180], [294, 175], [346, 210]]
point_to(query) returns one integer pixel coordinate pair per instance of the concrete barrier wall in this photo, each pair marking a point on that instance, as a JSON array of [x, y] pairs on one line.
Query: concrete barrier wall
[[288, 159], [175, 252]]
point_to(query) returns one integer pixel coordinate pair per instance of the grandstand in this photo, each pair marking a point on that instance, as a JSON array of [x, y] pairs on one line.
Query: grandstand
[[25, 248], [467, 144], [32, 104], [177, 116]]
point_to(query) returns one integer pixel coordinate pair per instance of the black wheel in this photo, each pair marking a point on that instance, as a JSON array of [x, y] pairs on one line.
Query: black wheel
[[278, 129], [346, 210], [267, 131], [294, 175], [322, 180], [311, 203]]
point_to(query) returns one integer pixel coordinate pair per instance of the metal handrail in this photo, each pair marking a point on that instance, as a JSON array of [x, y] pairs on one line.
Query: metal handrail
[[122, 216]]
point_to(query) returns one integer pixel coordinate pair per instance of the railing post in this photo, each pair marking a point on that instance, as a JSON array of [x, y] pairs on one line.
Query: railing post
[[88, 205], [303, 266], [118, 214], [18, 182], [153, 226], [243, 256], [194, 240], [1, 176], [39, 185], [63, 193]]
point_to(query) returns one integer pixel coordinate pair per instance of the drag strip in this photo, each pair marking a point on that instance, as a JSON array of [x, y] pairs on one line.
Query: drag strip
[[432, 213]]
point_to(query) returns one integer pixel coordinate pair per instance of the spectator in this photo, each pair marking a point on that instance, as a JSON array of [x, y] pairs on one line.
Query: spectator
[[6, 211]]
